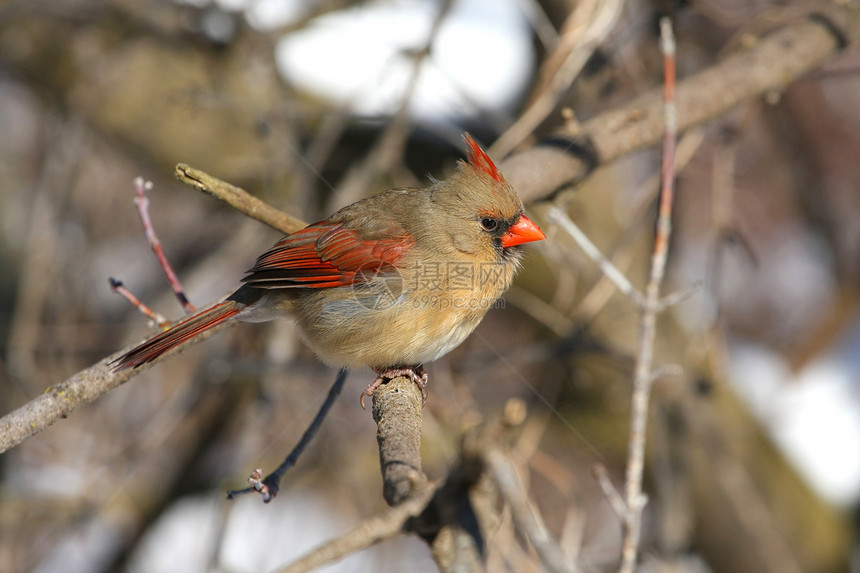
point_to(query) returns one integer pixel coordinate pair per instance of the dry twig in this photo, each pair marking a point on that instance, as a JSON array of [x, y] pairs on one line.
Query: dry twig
[[119, 288], [502, 471], [601, 474], [141, 201], [366, 534], [89, 384], [268, 487], [770, 64], [649, 304], [609, 270], [239, 199], [586, 27], [634, 499]]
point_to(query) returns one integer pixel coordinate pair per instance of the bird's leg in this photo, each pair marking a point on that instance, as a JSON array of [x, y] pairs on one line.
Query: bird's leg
[[416, 373]]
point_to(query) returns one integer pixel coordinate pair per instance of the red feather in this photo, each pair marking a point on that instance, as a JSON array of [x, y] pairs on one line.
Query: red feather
[[325, 255], [480, 160], [177, 334]]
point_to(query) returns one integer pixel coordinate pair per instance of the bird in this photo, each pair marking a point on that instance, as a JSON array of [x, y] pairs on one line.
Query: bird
[[390, 282]]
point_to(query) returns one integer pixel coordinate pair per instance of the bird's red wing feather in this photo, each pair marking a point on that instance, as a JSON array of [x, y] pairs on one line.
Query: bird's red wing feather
[[326, 255]]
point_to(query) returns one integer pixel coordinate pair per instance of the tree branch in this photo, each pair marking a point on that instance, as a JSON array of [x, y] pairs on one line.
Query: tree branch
[[141, 201], [502, 471], [565, 159], [89, 384], [643, 375], [239, 199], [771, 64], [83, 388], [397, 409], [456, 515], [371, 531]]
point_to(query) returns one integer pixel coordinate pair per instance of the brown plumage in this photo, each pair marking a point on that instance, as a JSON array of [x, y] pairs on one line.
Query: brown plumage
[[390, 282]]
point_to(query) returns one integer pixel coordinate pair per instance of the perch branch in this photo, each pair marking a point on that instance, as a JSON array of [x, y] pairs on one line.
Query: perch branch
[[397, 409], [454, 515]]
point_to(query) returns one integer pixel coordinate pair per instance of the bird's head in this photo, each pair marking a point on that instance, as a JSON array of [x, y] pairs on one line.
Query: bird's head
[[482, 212]]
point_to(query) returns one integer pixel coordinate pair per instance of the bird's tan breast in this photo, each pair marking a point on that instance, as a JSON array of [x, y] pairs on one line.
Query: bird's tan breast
[[417, 316]]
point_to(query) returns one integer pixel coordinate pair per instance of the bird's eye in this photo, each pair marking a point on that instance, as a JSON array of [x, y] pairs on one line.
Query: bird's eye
[[489, 224]]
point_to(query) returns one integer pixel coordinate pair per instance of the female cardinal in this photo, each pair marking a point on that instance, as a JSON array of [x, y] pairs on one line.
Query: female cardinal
[[390, 282]]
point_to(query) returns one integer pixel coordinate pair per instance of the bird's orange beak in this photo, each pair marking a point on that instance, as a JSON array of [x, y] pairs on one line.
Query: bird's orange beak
[[523, 232]]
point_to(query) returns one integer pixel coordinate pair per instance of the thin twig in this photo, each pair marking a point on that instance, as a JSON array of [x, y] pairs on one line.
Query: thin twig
[[503, 474], [539, 310], [601, 474], [667, 371], [117, 287], [677, 297], [774, 61], [89, 384], [371, 531], [142, 203], [587, 26], [80, 389], [541, 23], [621, 254], [634, 499], [239, 199], [307, 172], [391, 144], [268, 486], [573, 532], [557, 216]]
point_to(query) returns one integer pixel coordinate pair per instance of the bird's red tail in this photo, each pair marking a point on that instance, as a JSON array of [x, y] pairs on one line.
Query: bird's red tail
[[177, 334]]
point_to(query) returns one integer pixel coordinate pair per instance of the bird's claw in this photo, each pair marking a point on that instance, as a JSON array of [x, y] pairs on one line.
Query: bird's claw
[[416, 373]]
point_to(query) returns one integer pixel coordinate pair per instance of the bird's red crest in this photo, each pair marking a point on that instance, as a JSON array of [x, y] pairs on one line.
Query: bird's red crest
[[480, 160]]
